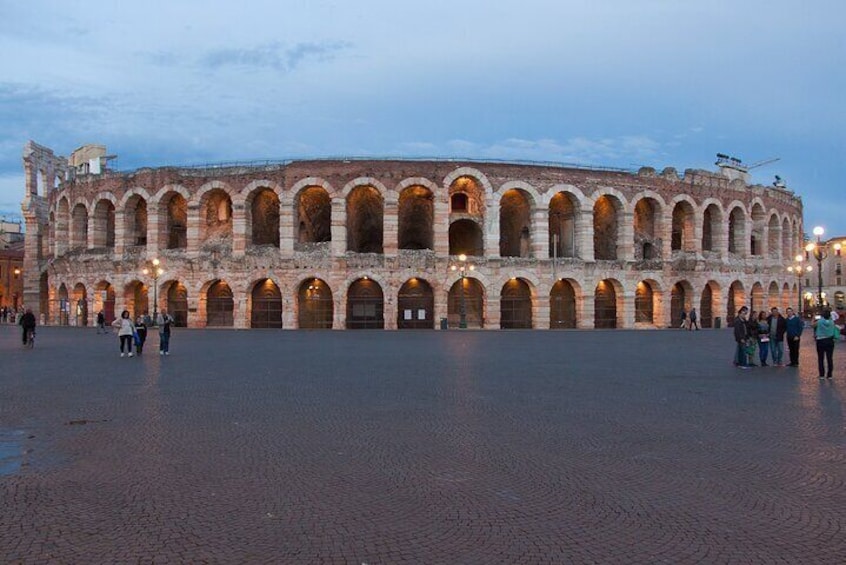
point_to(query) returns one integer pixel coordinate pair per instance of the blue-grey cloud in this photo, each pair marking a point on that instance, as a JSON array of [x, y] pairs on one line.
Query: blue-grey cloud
[[276, 56]]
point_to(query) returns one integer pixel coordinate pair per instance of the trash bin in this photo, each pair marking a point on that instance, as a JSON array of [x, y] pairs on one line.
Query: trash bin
[[718, 323], [444, 324]]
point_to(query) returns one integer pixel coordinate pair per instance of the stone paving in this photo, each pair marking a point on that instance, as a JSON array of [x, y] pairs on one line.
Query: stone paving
[[417, 447]]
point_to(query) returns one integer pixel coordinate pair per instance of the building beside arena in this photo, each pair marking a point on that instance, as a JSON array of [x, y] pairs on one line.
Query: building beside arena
[[372, 243]]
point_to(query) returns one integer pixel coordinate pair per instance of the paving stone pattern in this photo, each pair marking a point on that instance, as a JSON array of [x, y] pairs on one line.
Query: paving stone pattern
[[417, 447]]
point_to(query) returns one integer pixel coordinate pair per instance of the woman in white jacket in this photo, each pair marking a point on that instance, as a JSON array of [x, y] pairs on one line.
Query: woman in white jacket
[[125, 330]]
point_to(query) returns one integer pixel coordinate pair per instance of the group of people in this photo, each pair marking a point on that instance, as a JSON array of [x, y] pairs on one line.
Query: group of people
[[8, 314], [135, 333], [689, 320], [766, 333]]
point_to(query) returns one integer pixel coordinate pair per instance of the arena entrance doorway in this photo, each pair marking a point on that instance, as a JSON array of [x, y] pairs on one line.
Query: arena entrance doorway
[[315, 307], [365, 305], [266, 305], [416, 306], [219, 306]]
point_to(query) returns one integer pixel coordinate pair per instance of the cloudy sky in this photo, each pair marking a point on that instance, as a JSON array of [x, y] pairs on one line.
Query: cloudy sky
[[620, 83]]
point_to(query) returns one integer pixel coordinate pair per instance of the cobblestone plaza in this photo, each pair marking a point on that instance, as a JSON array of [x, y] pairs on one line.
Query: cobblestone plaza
[[417, 447]]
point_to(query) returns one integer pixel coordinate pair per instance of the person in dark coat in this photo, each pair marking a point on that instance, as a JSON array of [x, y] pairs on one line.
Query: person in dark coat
[[778, 327], [27, 322], [141, 330], [793, 329], [741, 336]]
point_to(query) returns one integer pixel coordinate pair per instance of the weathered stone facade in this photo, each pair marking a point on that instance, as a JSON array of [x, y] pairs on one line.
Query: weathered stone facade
[[371, 243]]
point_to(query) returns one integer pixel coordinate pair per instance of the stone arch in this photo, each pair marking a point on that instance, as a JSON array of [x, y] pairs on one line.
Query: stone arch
[[79, 231], [757, 302], [608, 305], [103, 229], [135, 219], [682, 232], [515, 302], [735, 300], [515, 223], [681, 300], [79, 304], [416, 218], [466, 303], [709, 304], [563, 304], [315, 304], [135, 298], [648, 226], [466, 237], [173, 217], [563, 215], [774, 237], [312, 215], [648, 299], [468, 195], [785, 297], [773, 295], [262, 209], [607, 223], [737, 231], [712, 221], [416, 305], [757, 237], [104, 300], [219, 303], [265, 304], [215, 208], [479, 179], [63, 299], [365, 219], [365, 305]]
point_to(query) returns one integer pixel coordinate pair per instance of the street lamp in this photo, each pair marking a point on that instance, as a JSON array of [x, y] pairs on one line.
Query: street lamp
[[156, 272], [799, 270], [819, 254], [462, 267]]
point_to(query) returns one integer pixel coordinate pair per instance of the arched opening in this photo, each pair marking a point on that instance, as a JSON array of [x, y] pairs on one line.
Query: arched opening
[[177, 304], [737, 231], [515, 305], [756, 240], [64, 305], [313, 220], [785, 297], [80, 305], [708, 305], [79, 233], [774, 238], [773, 296], [647, 243], [216, 219], [365, 305], [644, 303], [757, 297], [562, 226], [365, 210], [266, 305], [103, 235], [62, 224], [605, 305], [176, 221], [136, 222], [465, 237], [44, 297], [315, 307], [711, 220], [220, 305], [736, 299], [466, 296], [678, 303], [605, 227], [458, 203], [466, 196], [682, 228], [515, 224], [264, 218], [787, 250], [104, 300], [562, 306], [135, 299], [416, 213], [416, 305]]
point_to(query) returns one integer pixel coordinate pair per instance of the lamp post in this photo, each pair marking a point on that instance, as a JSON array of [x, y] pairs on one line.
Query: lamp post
[[462, 267], [798, 269], [156, 272], [818, 251], [17, 272]]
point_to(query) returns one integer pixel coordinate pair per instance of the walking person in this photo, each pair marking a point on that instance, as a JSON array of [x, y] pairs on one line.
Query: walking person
[[141, 332], [101, 322], [683, 318], [763, 338], [694, 319], [793, 328], [741, 335], [165, 322], [125, 329], [777, 327], [27, 322], [824, 333]]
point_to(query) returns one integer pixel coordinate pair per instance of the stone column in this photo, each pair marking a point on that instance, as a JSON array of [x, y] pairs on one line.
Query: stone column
[[193, 231], [540, 311], [153, 231], [239, 230], [339, 227], [239, 311], [540, 233], [625, 237], [441, 228], [625, 318], [584, 237], [286, 227], [493, 315], [490, 229], [390, 227], [120, 233], [390, 308], [586, 321]]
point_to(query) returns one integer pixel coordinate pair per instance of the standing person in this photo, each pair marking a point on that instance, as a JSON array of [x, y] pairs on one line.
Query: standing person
[[694, 319], [794, 326], [27, 322], [741, 335], [125, 329], [101, 322], [141, 332], [683, 318], [777, 328], [824, 333], [763, 338], [752, 336], [165, 322]]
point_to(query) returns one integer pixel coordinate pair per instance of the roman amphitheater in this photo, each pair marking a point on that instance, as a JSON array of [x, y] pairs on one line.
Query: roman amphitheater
[[401, 244]]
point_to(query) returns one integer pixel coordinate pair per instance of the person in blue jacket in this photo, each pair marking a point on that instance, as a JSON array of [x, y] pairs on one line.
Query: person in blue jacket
[[795, 325]]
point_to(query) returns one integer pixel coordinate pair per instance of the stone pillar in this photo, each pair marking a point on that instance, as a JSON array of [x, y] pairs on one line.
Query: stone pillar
[[286, 227], [153, 235], [625, 237], [666, 235], [193, 231], [490, 229], [626, 310], [540, 233], [746, 244], [493, 315], [586, 321], [289, 314], [339, 227], [339, 321], [540, 311], [390, 227], [697, 234], [441, 228], [584, 237], [390, 308], [239, 230], [120, 233], [239, 311]]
